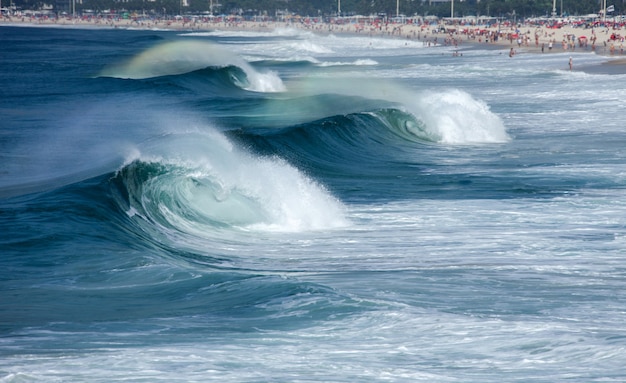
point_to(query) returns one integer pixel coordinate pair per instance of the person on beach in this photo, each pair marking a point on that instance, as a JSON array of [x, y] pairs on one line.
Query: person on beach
[[571, 63]]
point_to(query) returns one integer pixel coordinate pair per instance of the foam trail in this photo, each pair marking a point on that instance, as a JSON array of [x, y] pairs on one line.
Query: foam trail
[[179, 57], [284, 32]]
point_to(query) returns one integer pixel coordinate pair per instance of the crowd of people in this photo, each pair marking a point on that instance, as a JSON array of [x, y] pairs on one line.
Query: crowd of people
[[606, 39]]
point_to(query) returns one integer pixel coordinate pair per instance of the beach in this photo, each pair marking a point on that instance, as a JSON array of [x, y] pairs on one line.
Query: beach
[[514, 39], [511, 40]]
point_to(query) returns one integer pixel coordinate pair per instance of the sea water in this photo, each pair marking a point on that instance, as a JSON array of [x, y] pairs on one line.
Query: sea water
[[291, 207]]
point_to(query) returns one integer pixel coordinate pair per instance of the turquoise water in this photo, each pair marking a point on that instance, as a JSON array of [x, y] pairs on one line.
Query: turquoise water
[[287, 207]]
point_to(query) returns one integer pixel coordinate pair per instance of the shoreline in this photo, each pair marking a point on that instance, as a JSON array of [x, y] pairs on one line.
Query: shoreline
[[512, 41]]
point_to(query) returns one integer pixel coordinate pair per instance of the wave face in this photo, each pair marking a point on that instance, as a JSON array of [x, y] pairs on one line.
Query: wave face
[[285, 206]]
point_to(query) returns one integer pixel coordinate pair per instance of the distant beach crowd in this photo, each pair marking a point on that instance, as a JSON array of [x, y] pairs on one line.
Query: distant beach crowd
[[602, 39]]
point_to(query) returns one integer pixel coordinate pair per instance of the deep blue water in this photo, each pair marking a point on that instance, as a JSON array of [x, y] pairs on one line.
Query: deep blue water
[[286, 207]]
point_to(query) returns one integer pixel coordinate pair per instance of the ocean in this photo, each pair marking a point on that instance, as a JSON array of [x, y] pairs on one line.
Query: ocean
[[289, 207]]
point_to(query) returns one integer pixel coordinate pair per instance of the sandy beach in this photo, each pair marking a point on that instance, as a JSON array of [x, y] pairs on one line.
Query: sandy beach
[[513, 40]]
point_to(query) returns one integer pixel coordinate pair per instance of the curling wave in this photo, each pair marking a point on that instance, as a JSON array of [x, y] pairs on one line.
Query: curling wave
[[180, 57], [449, 116], [199, 185]]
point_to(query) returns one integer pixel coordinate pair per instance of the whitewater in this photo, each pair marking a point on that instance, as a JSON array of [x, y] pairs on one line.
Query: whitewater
[[290, 207]]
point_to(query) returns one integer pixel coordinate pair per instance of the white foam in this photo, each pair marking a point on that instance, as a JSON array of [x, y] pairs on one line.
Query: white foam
[[458, 118], [361, 62]]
